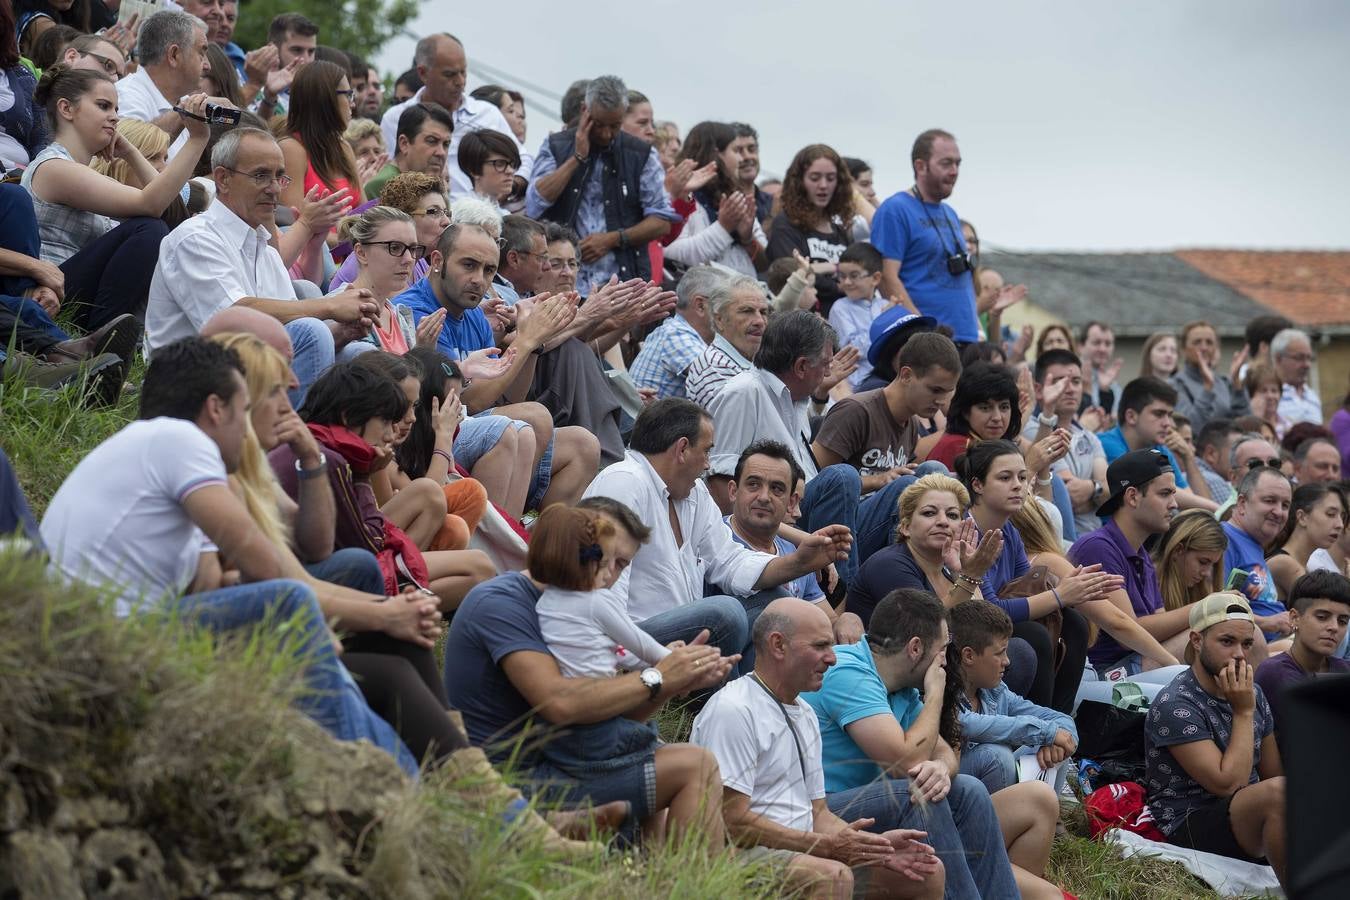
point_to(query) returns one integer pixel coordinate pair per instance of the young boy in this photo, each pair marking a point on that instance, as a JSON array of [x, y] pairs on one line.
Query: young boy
[[1319, 609], [851, 315], [997, 725]]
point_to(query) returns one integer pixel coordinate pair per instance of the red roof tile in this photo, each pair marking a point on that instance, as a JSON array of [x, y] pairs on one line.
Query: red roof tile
[[1310, 287]]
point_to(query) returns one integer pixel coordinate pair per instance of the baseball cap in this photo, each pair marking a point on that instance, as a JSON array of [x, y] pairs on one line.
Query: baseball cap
[[1132, 470], [891, 325], [1221, 606]]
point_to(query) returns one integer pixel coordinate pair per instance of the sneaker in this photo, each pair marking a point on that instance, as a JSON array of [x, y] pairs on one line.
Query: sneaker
[[100, 377]]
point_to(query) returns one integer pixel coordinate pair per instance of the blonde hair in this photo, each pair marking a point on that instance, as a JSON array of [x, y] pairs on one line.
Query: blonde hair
[[150, 139], [909, 499], [264, 369], [1193, 530], [360, 129], [362, 228], [1036, 529]]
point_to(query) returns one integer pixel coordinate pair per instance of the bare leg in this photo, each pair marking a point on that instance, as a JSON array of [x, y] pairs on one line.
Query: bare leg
[[820, 879], [496, 471], [688, 783], [1256, 816], [576, 459], [453, 573], [1027, 813], [880, 882], [1032, 887], [538, 417], [418, 509]]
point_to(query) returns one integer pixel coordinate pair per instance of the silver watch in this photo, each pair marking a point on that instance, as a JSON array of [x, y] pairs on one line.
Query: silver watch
[[652, 679]]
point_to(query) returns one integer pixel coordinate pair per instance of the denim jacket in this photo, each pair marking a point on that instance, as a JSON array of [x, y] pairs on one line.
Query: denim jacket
[[1010, 720]]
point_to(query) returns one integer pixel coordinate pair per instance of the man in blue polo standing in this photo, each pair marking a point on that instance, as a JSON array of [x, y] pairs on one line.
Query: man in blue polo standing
[[927, 264]]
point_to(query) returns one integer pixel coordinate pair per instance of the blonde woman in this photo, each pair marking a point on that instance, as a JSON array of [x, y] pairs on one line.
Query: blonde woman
[[384, 242], [152, 142], [367, 143]]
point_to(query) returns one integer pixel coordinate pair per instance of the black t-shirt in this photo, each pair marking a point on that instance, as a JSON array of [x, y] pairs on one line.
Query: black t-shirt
[[889, 568], [817, 246]]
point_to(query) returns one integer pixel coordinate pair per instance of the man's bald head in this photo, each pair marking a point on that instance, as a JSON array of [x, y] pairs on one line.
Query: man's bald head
[[786, 616], [242, 320]]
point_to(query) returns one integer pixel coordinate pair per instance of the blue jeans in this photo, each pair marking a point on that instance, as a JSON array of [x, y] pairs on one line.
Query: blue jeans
[[352, 568], [29, 313], [332, 699], [313, 354], [993, 764], [963, 829], [723, 616]]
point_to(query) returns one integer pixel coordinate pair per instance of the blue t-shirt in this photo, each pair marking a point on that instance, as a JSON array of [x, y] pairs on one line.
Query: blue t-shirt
[[1113, 442], [853, 691], [496, 619], [1259, 588], [921, 236], [804, 587], [459, 337]]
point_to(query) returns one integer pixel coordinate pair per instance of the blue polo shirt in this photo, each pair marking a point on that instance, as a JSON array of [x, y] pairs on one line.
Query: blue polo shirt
[[1246, 554], [921, 236], [1108, 547], [459, 336], [852, 691], [1113, 442]]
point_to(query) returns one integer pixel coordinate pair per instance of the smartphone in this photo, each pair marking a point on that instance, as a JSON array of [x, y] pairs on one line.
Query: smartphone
[[1237, 580]]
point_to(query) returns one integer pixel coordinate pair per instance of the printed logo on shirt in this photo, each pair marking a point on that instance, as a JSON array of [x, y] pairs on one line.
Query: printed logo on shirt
[[876, 460], [1257, 578], [823, 249]]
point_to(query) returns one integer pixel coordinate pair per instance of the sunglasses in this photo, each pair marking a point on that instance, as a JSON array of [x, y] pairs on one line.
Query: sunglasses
[[1256, 462]]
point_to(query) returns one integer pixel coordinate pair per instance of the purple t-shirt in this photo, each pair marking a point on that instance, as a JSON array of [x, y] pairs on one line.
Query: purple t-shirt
[[1108, 547], [1280, 672]]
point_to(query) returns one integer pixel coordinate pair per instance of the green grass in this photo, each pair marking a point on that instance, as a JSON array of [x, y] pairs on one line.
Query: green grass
[[193, 740]]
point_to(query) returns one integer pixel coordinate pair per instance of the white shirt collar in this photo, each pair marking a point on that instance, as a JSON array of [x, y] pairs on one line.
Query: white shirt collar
[[228, 224], [645, 466]]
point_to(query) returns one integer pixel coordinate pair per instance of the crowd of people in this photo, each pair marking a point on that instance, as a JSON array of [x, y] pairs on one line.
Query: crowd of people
[[621, 420]]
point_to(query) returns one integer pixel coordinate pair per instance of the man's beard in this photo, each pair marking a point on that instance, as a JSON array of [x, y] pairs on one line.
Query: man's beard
[[1208, 663]]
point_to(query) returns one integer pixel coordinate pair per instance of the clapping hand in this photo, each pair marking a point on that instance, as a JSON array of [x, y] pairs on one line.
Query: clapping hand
[[429, 329], [321, 209], [487, 363], [912, 858], [842, 364], [369, 167]]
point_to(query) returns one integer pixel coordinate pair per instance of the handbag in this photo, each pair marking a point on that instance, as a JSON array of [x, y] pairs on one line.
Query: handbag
[[1038, 580]]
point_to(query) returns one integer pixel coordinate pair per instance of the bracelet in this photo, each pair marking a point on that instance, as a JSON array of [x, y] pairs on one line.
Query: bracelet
[[449, 460], [1049, 479], [581, 160], [315, 472], [818, 401], [623, 240], [963, 586], [973, 582], [1057, 600]]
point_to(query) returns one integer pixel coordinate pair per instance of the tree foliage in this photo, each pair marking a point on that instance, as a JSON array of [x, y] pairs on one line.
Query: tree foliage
[[357, 26]]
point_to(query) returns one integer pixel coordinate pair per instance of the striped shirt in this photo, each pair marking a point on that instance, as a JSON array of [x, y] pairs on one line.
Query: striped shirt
[[716, 365]]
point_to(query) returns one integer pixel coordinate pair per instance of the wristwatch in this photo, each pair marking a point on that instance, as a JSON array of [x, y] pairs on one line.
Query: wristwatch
[[652, 679], [314, 472]]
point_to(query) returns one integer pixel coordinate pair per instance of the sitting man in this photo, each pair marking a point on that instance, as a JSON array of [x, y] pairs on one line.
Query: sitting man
[[1214, 782], [767, 744], [1212, 445], [690, 545], [875, 433], [222, 257], [171, 58], [669, 352], [423, 145], [763, 488], [1319, 608], [1141, 505], [462, 266], [1146, 406], [501, 676], [739, 313], [1317, 459], [159, 530], [1264, 496], [875, 731]]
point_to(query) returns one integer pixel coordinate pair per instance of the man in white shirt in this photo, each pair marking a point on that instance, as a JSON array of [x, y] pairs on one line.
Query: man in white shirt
[[767, 743], [659, 479], [222, 257], [1291, 352], [171, 53], [442, 66]]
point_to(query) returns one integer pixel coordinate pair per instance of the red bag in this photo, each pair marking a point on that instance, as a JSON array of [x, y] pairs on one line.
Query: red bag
[[1121, 805]]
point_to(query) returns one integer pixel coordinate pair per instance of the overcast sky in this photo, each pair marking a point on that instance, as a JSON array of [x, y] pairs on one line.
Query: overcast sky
[[1082, 125]]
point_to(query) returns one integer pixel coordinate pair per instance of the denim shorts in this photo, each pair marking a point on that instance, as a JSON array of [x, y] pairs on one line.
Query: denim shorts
[[480, 433]]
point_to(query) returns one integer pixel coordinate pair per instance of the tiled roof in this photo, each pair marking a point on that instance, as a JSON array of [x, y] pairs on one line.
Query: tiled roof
[[1310, 287], [1137, 293]]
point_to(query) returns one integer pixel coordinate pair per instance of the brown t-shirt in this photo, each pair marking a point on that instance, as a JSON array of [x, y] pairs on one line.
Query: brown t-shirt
[[860, 429]]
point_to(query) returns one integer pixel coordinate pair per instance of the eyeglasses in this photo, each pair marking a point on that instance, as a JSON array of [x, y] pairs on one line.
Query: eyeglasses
[[349, 93], [434, 211], [1257, 462], [501, 165], [1300, 357], [263, 179], [398, 248], [843, 277], [558, 262], [109, 65], [531, 253]]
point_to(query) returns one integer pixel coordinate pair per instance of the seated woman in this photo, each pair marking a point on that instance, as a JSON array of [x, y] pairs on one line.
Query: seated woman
[[77, 208], [817, 216], [1317, 517], [384, 244], [367, 143], [722, 227], [352, 411], [408, 499], [316, 118], [491, 160], [420, 196], [995, 474]]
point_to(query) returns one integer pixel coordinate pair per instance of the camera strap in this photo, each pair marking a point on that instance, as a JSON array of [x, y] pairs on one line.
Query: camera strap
[[956, 240]]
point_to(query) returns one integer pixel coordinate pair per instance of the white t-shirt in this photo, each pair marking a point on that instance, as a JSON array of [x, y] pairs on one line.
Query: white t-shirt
[[1323, 561], [591, 634], [744, 727], [118, 518]]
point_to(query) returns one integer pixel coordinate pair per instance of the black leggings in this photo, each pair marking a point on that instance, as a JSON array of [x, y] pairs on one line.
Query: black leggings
[[1050, 688], [401, 684]]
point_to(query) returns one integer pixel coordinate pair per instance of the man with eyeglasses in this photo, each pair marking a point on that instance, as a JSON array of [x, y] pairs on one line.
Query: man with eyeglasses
[[222, 258], [1292, 353], [1264, 496], [421, 145], [1246, 452], [92, 52], [171, 57]]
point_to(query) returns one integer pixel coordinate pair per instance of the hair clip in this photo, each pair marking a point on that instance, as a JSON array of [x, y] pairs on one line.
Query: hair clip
[[592, 553]]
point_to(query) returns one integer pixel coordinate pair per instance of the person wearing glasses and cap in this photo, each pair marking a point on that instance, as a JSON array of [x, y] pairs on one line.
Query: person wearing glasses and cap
[[1214, 781], [1142, 502]]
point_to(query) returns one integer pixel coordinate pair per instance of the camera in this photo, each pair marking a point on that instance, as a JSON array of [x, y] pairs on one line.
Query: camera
[[215, 115], [959, 263]]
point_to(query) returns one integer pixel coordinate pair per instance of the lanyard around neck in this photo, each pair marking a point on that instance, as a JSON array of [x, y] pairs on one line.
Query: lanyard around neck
[[797, 741]]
